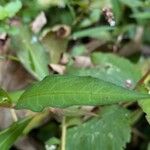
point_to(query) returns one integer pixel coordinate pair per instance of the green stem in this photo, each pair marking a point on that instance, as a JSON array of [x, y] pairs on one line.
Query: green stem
[[63, 137]]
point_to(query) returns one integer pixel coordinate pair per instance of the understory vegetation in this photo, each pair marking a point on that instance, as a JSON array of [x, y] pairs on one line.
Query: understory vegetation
[[75, 75]]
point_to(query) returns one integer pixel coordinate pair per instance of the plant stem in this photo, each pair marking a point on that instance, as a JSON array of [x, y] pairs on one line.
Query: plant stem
[[63, 137], [13, 114], [141, 81]]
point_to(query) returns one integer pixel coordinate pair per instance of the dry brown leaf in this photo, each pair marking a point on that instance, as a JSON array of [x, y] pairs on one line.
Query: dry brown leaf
[[39, 22], [61, 31], [3, 36], [28, 143], [82, 61], [13, 76], [60, 69], [55, 41], [64, 59]]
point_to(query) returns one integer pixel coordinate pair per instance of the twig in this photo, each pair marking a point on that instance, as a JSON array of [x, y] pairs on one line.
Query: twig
[[139, 134], [141, 81], [63, 137]]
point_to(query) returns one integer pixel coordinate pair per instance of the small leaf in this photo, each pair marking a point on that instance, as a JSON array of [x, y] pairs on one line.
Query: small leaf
[[117, 9], [3, 13], [142, 15], [13, 7], [93, 17], [4, 98], [97, 32], [110, 130], [10, 9], [134, 4], [55, 41], [9, 135], [145, 105], [64, 91]]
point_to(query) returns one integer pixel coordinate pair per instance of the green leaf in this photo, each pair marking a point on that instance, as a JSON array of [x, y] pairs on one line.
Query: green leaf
[[48, 3], [31, 53], [148, 147], [78, 50], [54, 44], [116, 69], [36, 121], [9, 135], [117, 9], [110, 130], [94, 16], [97, 32], [135, 3], [3, 13], [64, 91], [13, 7], [99, 4], [142, 15], [4, 98], [145, 105], [10, 9], [111, 68], [15, 96], [105, 73]]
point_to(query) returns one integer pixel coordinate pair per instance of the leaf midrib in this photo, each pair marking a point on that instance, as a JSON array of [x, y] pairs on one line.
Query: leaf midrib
[[78, 93]]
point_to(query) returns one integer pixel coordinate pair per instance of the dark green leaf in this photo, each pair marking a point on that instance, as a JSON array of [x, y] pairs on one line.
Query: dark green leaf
[[110, 130], [9, 135], [64, 91], [117, 9]]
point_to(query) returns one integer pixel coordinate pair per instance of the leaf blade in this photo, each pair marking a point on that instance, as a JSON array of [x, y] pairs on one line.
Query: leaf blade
[[10, 9], [9, 135], [98, 134], [116, 69], [31, 54], [65, 91]]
